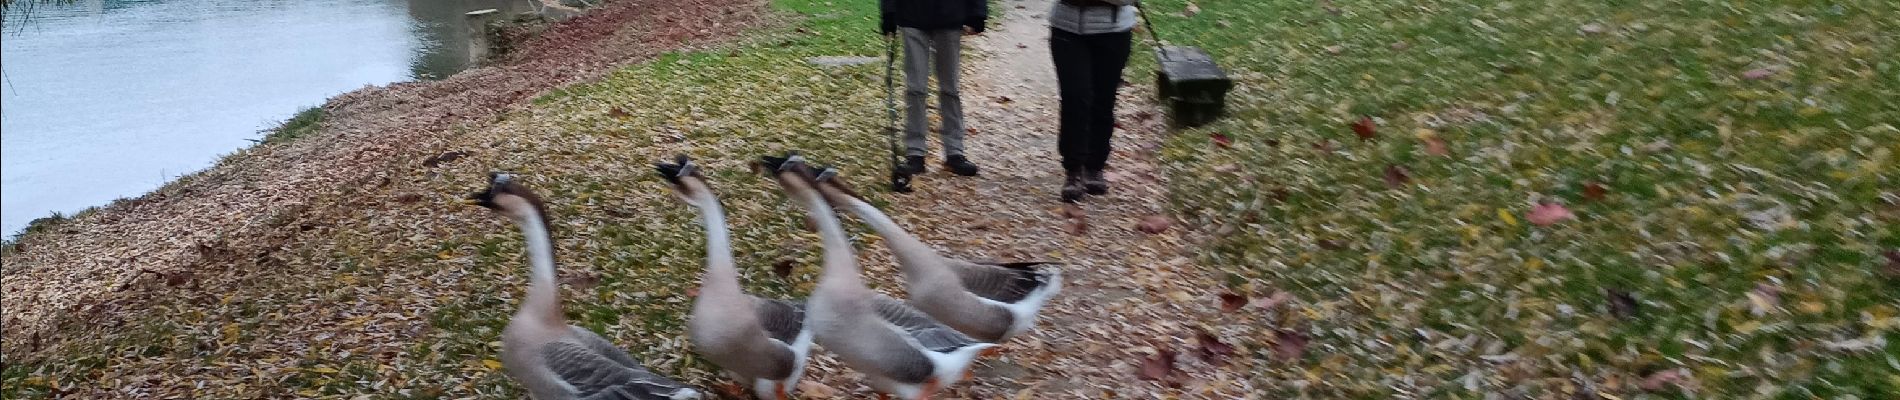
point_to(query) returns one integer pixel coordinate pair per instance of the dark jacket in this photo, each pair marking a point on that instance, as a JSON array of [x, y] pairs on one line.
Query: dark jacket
[[933, 14]]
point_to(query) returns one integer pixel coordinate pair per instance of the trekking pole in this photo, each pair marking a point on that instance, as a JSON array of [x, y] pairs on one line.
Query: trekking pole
[[900, 175]]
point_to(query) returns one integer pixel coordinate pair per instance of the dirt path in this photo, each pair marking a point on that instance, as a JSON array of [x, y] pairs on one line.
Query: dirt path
[[1127, 293]]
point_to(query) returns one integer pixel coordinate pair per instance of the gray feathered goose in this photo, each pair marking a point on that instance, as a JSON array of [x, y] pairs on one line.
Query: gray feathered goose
[[551, 359], [761, 342], [901, 351], [988, 301]]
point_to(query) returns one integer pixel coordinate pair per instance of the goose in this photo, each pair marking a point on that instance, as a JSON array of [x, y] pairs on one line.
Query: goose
[[762, 342], [991, 302], [551, 359], [901, 351]]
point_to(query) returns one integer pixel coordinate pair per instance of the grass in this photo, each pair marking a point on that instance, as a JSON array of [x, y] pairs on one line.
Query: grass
[[1721, 183], [302, 123], [407, 299]]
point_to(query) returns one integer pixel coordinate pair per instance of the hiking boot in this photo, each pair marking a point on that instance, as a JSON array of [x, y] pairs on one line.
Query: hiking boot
[[915, 164], [1072, 188], [960, 165], [1094, 182]]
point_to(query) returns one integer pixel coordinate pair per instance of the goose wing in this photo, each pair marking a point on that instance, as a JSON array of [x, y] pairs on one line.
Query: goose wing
[[1003, 282], [598, 370], [932, 335], [782, 320]]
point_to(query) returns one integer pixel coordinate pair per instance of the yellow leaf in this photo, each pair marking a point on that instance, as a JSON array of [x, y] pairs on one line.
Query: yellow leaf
[[1748, 327], [492, 364], [323, 370], [1534, 264], [1505, 215], [444, 255], [1813, 307]]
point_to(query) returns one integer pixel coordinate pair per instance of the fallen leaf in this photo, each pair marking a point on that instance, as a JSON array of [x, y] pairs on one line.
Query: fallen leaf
[[1227, 168], [618, 112], [492, 364], [1330, 244], [1622, 305], [1212, 350], [1004, 100], [439, 159], [1324, 146], [1290, 345], [1231, 301], [1893, 264], [1764, 299], [1591, 29], [1278, 298], [1335, 49], [1221, 139], [783, 268], [1662, 380], [1365, 128], [1435, 146], [1191, 10], [692, 292], [1158, 367], [1594, 191], [1547, 214], [1396, 177], [1758, 74], [811, 389], [1154, 224]]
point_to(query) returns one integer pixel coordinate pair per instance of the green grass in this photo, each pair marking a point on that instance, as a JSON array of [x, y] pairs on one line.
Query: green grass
[[1717, 184], [300, 124]]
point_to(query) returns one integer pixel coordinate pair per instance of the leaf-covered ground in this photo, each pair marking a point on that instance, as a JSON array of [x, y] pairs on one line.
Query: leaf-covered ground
[[1555, 199]]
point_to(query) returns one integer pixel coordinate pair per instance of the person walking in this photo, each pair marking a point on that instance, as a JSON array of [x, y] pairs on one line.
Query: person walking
[[1090, 41], [933, 33]]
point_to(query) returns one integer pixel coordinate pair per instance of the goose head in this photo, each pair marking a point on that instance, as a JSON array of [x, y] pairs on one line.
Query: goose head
[[507, 196], [795, 166], [683, 176]]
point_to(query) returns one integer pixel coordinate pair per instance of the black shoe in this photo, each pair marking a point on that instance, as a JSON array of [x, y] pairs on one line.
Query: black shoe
[[1094, 183], [915, 164], [960, 165], [1072, 189]]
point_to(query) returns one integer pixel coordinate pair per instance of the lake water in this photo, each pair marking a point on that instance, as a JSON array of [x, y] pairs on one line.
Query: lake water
[[103, 99]]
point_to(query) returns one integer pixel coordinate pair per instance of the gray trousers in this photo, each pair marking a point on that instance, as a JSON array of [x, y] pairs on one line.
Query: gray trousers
[[921, 47]]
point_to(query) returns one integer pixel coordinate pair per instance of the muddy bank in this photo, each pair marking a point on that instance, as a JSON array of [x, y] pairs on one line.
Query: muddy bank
[[83, 277]]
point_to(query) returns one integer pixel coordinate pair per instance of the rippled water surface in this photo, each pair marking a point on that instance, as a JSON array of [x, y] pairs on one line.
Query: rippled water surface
[[110, 99]]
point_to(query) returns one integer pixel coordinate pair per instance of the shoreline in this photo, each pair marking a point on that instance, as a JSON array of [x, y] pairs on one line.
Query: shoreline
[[99, 265]]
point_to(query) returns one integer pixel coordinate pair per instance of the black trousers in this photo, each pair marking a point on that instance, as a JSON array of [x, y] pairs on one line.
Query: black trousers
[[1088, 72]]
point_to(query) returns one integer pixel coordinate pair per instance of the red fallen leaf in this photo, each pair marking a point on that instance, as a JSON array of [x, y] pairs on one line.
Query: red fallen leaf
[[1221, 139], [1365, 128], [1230, 301], [1289, 345], [783, 268], [1662, 379], [1594, 191], [1435, 146], [618, 112], [1078, 220], [1330, 244], [692, 292], [1154, 224], [1622, 305], [1079, 226], [1758, 74], [1396, 177], [1158, 367], [1548, 214], [1212, 350], [1324, 146], [1004, 100], [1072, 211], [1022, 46]]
